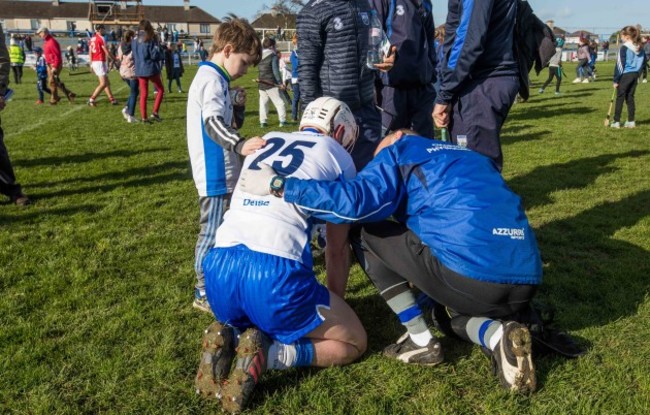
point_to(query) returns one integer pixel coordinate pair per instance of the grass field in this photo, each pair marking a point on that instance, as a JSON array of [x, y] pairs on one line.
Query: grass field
[[96, 277]]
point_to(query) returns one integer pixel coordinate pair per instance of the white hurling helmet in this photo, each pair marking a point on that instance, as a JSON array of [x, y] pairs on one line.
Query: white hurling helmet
[[331, 115]]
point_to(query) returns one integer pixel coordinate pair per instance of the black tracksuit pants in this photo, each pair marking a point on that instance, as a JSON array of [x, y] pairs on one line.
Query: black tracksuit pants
[[625, 92]]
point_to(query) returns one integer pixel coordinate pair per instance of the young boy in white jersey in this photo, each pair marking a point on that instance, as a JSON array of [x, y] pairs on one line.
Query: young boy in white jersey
[[215, 147], [259, 275]]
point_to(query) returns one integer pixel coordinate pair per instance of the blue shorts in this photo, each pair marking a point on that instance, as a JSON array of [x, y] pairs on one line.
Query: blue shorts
[[279, 296]]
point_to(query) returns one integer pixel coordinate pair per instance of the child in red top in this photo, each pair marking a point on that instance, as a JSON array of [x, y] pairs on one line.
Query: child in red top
[[98, 54]]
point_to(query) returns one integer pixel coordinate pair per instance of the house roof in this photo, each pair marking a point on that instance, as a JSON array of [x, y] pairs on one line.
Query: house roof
[[271, 20], [581, 33], [559, 31], [73, 10]]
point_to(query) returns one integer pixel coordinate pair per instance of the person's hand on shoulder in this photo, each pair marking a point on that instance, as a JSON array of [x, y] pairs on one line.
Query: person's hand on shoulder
[[252, 145]]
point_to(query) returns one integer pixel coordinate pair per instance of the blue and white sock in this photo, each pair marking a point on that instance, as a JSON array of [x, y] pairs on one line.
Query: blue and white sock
[[402, 301], [484, 331], [283, 356]]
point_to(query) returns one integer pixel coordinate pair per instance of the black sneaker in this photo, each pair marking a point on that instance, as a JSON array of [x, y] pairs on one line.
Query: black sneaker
[[217, 354], [251, 364], [513, 359], [409, 352], [155, 117]]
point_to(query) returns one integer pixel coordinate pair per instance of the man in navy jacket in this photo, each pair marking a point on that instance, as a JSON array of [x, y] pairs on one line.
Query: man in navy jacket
[[333, 39], [479, 74], [460, 235], [407, 93]]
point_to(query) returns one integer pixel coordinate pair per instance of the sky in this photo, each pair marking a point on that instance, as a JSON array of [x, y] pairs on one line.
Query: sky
[[597, 16]]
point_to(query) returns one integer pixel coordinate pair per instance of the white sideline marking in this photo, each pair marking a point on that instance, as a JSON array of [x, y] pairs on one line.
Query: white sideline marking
[[58, 118]]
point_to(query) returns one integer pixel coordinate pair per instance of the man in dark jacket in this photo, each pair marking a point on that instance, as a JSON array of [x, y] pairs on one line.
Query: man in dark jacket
[[479, 74], [8, 184], [407, 93], [333, 38]]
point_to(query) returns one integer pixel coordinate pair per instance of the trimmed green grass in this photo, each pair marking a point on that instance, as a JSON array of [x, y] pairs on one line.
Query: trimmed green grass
[[96, 277]]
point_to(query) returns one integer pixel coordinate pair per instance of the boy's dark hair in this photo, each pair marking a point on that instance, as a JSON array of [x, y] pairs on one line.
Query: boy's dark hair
[[240, 35]]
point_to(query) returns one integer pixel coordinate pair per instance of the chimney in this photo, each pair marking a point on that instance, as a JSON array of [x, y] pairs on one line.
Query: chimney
[[186, 5], [55, 2]]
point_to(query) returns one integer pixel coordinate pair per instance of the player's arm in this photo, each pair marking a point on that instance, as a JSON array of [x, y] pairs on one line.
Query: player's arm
[[620, 65], [337, 258], [220, 131], [371, 196]]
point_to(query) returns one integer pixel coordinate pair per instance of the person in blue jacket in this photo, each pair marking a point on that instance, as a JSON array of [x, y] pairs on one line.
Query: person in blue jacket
[[629, 63], [460, 236], [479, 74], [148, 56], [407, 92]]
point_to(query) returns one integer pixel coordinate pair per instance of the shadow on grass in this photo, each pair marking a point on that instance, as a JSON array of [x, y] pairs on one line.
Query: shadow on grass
[[84, 157], [510, 137], [592, 277], [550, 96], [535, 187], [141, 182], [32, 215], [541, 112], [120, 175]]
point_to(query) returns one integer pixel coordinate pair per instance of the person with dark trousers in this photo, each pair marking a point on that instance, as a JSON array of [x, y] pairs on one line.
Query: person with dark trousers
[[407, 92], [8, 185], [605, 47], [17, 57], [333, 38], [173, 67], [479, 74], [555, 68], [645, 42], [629, 61], [458, 235], [52, 53], [295, 84]]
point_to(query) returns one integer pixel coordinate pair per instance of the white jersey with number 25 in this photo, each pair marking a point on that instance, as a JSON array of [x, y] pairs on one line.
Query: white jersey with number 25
[[268, 224]]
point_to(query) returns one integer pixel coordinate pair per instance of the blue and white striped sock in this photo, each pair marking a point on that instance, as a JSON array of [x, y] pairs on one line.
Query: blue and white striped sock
[[402, 301], [484, 331]]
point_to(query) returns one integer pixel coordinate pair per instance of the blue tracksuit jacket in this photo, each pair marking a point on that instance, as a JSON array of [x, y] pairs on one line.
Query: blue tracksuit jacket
[[452, 198], [478, 43]]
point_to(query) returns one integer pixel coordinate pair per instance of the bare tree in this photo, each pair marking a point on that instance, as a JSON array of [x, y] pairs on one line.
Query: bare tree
[[229, 17], [282, 7]]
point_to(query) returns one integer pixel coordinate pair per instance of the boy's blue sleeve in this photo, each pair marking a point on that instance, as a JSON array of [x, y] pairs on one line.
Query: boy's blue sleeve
[[372, 195]]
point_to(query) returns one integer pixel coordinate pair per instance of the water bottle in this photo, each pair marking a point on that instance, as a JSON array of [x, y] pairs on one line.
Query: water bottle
[[376, 37]]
